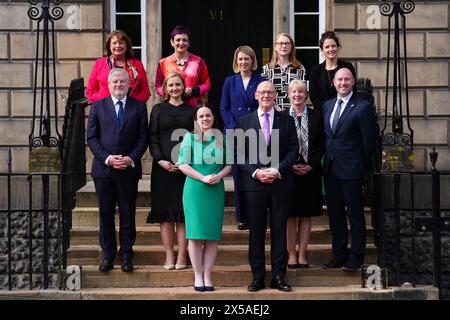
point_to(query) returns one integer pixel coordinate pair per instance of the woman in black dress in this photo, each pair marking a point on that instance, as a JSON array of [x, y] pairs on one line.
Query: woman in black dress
[[167, 180], [307, 199], [321, 86]]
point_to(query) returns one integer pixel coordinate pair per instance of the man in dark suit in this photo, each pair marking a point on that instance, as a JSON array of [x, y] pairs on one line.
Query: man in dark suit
[[117, 134], [266, 184], [349, 124]]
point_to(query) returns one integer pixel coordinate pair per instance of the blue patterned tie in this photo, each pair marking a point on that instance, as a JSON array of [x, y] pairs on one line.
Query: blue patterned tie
[[336, 115], [120, 113]]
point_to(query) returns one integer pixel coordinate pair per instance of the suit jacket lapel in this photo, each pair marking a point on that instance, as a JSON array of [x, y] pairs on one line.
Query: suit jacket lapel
[[111, 112], [276, 124], [348, 109], [250, 93], [239, 85], [128, 110], [257, 125], [312, 128], [327, 116]]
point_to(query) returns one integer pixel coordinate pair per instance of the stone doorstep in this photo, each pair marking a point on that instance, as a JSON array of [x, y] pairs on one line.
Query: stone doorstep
[[354, 292], [86, 196], [230, 235], [318, 254], [88, 217], [224, 276]]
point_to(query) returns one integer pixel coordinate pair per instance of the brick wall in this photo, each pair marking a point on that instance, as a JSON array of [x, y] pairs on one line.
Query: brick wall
[[79, 42], [428, 38]]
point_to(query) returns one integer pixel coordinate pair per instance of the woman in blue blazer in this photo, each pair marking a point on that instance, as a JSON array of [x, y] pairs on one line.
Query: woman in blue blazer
[[238, 99]]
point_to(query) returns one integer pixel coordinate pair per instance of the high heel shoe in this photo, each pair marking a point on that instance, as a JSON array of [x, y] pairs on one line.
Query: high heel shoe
[[180, 266], [209, 288], [169, 266], [199, 289]]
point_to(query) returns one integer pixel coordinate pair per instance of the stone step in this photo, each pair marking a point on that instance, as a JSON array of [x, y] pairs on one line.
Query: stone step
[[228, 255], [86, 196], [151, 235], [354, 292], [88, 217], [223, 276]]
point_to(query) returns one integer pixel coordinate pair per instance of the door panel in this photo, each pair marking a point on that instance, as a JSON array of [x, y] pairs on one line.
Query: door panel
[[218, 27]]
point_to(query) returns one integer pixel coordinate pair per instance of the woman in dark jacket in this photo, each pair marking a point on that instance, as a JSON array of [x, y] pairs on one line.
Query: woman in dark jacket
[[307, 199], [321, 76], [238, 99]]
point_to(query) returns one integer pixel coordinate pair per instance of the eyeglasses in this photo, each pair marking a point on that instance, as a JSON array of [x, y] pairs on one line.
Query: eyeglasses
[[266, 92], [280, 44]]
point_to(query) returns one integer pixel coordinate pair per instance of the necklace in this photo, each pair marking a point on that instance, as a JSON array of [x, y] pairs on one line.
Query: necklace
[[329, 78], [181, 62], [329, 71]]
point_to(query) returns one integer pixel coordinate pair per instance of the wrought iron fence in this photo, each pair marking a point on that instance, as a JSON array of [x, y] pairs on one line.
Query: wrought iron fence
[[35, 220], [412, 228], [73, 152], [31, 233]]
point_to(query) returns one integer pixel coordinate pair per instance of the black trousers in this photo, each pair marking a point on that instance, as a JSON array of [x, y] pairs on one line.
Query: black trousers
[[123, 192], [257, 204], [345, 197]]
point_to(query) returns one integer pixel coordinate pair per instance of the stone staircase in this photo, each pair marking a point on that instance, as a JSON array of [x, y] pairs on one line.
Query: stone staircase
[[231, 274]]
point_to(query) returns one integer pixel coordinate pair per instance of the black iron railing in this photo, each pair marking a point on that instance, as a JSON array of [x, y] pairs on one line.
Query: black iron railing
[[411, 219], [73, 153], [34, 232]]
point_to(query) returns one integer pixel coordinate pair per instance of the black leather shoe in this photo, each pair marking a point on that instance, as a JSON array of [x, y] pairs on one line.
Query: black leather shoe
[[106, 265], [199, 289], [293, 266], [335, 264], [256, 286], [302, 265], [209, 288], [278, 283], [352, 265], [242, 226], [127, 266]]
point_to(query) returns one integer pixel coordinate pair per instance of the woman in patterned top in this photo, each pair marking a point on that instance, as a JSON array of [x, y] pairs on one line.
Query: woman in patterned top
[[191, 67], [283, 68]]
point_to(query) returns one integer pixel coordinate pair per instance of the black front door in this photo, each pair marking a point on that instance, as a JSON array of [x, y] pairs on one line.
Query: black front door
[[218, 27]]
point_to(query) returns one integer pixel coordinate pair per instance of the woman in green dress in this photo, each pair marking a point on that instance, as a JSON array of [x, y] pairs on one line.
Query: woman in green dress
[[203, 160]]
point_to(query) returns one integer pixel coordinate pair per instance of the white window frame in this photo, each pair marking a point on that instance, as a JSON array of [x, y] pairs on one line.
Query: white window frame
[[322, 23], [114, 13]]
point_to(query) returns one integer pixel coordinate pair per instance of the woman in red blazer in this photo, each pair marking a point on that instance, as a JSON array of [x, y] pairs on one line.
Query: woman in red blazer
[[120, 55]]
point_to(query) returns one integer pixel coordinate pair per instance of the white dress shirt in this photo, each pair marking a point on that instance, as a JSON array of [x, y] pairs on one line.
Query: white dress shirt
[[116, 105], [344, 104]]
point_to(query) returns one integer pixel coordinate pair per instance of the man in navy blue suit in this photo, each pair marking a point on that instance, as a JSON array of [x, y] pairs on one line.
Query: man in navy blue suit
[[349, 123], [117, 134]]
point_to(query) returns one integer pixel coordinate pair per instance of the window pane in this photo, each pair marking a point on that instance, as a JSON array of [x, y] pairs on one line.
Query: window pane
[[306, 6], [131, 24], [306, 31], [128, 6], [138, 54], [308, 57]]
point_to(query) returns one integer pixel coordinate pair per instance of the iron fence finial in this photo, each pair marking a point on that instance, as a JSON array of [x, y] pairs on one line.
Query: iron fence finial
[[433, 157]]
